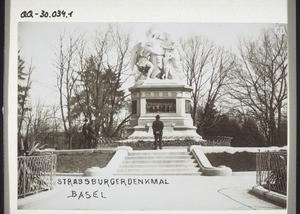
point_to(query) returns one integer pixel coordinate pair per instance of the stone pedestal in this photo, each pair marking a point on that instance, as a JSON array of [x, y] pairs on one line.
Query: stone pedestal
[[170, 100]]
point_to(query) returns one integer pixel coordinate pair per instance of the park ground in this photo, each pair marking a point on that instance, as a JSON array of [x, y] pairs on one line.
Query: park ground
[[175, 193]]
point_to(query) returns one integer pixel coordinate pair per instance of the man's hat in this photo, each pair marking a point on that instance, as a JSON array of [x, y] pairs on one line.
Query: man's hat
[[157, 116]]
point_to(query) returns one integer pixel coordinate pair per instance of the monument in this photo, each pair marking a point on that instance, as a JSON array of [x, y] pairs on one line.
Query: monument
[[160, 89]]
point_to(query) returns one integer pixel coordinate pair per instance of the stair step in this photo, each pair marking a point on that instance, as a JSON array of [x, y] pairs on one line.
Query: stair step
[[158, 161], [147, 165], [159, 153], [150, 157], [162, 173], [176, 170]]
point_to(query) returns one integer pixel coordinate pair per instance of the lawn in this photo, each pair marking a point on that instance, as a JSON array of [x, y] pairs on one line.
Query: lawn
[[80, 162], [239, 161]]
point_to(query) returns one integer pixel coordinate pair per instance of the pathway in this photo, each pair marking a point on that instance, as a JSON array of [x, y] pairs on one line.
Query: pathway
[[177, 193]]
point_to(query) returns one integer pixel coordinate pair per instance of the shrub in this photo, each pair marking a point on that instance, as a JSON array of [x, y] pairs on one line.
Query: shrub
[[239, 161]]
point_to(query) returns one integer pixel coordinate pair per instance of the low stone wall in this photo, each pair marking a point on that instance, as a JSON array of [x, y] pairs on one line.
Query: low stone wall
[[136, 144], [76, 151], [168, 143], [270, 195], [147, 143]]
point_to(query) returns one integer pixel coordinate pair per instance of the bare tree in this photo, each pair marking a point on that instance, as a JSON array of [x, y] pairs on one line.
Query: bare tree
[[91, 92], [98, 93], [198, 52], [66, 80], [121, 44], [259, 83], [206, 67], [40, 126]]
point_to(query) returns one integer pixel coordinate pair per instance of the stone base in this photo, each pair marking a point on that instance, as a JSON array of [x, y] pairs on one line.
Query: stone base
[[145, 133], [168, 98], [217, 171]]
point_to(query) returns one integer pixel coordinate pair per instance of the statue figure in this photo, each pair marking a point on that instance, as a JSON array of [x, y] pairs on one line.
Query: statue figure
[[168, 68], [144, 57], [141, 64], [172, 57], [156, 58], [154, 39]]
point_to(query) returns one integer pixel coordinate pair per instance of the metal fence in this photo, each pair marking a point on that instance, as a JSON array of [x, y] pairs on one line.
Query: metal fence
[[36, 173], [271, 171], [217, 141]]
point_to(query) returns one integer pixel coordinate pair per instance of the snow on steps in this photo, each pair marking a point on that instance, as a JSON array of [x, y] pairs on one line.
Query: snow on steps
[[159, 162]]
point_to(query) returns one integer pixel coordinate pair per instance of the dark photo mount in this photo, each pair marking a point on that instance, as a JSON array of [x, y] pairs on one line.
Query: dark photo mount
[[298, 101], [213, 124], [2, 41]]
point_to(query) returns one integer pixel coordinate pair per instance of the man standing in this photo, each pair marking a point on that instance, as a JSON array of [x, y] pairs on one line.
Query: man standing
[[85, 134], [158, 127], [92, 135]]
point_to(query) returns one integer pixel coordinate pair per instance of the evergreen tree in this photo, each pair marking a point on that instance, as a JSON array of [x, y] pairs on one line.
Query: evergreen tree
[[99, 96], [251, 135], [24, 85]]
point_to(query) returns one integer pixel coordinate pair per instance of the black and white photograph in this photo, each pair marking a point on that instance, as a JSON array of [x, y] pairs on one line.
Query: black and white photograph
[[150, 115], [193, 110]]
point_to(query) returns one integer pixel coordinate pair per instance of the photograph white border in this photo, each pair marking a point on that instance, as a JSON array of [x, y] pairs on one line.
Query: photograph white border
[[233, 11]]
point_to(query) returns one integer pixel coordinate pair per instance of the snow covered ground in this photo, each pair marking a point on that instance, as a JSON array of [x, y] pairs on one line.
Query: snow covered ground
[[232, 150]]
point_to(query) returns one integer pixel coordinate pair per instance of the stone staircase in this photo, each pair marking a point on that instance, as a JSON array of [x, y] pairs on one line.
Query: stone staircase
[[159, 162]]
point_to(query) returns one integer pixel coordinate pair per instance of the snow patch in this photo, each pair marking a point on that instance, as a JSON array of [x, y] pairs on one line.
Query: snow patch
[[232, 150]]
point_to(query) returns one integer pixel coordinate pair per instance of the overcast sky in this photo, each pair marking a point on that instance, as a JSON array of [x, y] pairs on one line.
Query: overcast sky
[[39, 41]]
